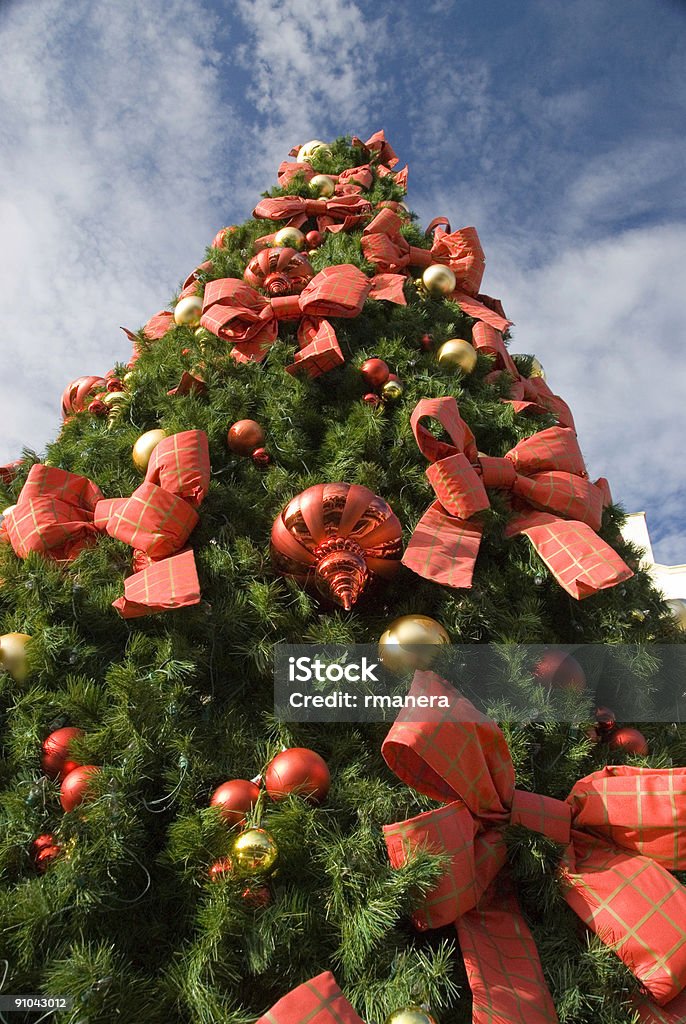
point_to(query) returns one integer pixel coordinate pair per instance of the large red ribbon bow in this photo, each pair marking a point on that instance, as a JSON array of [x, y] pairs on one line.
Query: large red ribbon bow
[[59, 513], [348, 183], [341, 213], [318, 1001], [236, 312], [526, 393], [622, 829], [555, 505]]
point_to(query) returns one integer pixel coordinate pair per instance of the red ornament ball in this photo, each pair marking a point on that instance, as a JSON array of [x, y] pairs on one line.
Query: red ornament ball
[[426, 343], [74, 788], [371, 399], [114, 384], [313, 239], [220, 869], [98, 408], [55, 759], [561, 671], [605, 721], [257, 896], [235, 798], [375, 372], [245, 436], [44, 850], [629, 741], [299, 771], [261, 457]]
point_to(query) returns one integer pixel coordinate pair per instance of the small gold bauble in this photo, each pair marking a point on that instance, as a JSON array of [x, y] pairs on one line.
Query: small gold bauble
[[678, 608], [254, 852], [411, 642], [439, 280], [457, 354], [188, 311], [144, 447], [291, 238], [411, 1015], [311, 149], [128, 377], [392, 391], [536, 369], [323, 185], [13, 654]]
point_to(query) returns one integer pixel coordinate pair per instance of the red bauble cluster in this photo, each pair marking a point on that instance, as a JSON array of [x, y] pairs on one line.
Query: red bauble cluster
[[623, 738], [387, 386], [44, 850], [76, 785], [297, 771], [56, 760], [246, 437], [97, 395]]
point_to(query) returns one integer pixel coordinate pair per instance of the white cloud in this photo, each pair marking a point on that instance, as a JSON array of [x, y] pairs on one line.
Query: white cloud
[[110, 143]]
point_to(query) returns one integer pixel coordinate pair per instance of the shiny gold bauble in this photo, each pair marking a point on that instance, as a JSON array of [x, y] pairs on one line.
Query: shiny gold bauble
[[392, 391], [13, 654], [144, 447], [457, 354], [254, 852], [536, 369], [322, 185], [411, 642], [439, 280], [188, 311], [128, 377], [678, 608], [411, 1015], [311, 149], [291, 238]]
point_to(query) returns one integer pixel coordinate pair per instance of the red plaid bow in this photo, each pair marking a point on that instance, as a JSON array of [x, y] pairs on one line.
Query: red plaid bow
[[622, 829], [9, 471], [527, 392], [319, 1001], [342, 213], [236, 312], [386, 248], [548, 480], [58, 514], [349, 182]]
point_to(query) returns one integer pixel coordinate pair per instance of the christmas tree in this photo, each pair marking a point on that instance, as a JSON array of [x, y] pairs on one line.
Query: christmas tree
[[329, 435]]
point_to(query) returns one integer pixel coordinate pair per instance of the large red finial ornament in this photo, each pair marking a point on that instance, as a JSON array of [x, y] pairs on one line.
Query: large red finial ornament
[[279, 271], [337, 537]]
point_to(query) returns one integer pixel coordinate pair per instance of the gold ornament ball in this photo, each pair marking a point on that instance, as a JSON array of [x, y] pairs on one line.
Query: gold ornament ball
[[392, 391], [13, 654], [290, 238], [411, 642], [188, 311], [315, 147], [322, 185], [678, 608], [113, 398], [439, 280], [144, 447], [537, 369], [457, 354], [411, 1015], [254, 852], [128, 377]]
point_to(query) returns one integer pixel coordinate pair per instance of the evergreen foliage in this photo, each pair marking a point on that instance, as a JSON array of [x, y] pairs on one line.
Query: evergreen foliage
[[127, 920]]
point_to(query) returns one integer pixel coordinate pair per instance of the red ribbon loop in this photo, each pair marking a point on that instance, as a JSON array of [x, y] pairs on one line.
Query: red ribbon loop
[[318, 1001], [620, 833], [58, 514], [547, 478], [340, 213]]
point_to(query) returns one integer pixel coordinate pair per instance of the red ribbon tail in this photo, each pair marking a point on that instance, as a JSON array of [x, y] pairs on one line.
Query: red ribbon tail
[[170, 583], [502, 962], [443, 548], [581, 561], [321, 351], [472, 307], [318, 1001], [673, 1012]]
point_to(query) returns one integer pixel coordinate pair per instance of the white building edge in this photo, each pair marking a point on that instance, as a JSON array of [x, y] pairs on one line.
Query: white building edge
[[670, 579]]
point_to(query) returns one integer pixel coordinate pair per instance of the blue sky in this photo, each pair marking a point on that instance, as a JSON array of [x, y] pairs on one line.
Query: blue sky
[[131, 132]]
